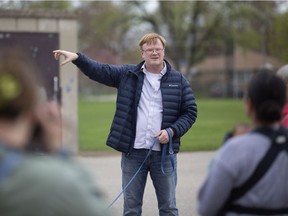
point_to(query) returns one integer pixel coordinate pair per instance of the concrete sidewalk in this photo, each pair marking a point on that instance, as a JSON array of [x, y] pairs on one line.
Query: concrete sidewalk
[[192, 169]]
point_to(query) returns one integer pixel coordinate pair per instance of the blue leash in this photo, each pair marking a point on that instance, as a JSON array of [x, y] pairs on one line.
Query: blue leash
[[171, 152]]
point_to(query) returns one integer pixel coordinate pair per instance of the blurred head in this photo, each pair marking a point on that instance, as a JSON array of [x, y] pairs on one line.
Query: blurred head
[[152, 48], [18, 95], [266, 97], [283, 73], [18, 85]]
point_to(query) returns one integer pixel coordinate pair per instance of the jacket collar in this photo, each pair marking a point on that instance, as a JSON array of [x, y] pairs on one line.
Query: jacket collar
[[138, 69]]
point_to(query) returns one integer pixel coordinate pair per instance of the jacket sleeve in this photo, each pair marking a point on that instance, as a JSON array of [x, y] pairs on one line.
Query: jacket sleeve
[[188, 110], [106, 74]]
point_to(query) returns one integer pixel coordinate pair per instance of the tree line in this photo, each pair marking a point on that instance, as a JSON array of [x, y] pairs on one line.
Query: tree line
[[193, 29]]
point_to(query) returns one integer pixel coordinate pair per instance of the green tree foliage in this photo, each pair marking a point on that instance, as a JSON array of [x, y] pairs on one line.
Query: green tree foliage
[[251, 22], [189, 27], [278, 44], [103, 24], [14, 4], [193, 29], [196, 29]]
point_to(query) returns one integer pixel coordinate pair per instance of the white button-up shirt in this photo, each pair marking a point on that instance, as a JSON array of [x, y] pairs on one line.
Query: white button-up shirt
[[149, 112]]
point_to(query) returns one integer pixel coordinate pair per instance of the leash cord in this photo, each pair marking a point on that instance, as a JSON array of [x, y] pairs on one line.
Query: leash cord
[[155, 140], [171, 152]]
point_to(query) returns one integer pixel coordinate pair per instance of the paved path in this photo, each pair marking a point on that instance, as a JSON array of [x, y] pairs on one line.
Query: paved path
[[192, 168]]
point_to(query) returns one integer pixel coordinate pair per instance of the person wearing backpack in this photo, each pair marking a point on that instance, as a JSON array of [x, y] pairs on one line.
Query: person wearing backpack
[[249, 174], [39, 181]]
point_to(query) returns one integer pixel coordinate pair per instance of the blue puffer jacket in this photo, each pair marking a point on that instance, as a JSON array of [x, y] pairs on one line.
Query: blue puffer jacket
[[179, 106]]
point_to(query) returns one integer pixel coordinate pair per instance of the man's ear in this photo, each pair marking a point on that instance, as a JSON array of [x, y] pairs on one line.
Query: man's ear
[[248, 106], [142, 54]]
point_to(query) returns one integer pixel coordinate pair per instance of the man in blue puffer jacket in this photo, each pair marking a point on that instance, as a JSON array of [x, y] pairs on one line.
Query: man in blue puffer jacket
[[153, 100]]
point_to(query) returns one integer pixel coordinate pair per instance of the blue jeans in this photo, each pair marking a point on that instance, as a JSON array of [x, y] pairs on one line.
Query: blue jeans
[[165, 185]]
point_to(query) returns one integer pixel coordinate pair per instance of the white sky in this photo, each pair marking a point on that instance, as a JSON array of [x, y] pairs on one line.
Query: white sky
[[151, 4]]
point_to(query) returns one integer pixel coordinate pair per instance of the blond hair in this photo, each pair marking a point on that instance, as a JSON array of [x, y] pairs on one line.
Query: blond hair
[[151, 38]]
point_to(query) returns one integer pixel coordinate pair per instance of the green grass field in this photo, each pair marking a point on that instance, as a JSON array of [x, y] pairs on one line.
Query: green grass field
[[215, 118]]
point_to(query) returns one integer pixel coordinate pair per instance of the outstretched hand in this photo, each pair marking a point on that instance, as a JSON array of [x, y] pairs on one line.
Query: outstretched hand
[[68, 56]]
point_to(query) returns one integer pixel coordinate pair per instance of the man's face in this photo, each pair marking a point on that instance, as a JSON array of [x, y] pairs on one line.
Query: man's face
[[153, 54]]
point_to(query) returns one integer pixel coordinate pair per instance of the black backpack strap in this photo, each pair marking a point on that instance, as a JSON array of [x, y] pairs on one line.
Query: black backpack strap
[[279, 142], [259, 172], [257, 211]]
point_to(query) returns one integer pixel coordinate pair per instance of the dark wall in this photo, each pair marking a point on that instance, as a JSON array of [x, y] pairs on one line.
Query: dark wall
[[39, 46]]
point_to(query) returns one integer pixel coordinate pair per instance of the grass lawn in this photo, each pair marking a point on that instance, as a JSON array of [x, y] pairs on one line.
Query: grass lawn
[[215, 118]]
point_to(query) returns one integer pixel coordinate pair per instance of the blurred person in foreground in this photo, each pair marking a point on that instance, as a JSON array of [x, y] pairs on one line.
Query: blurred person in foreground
[[153, 101], [34, 183], [283, 73], [249, 173]]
